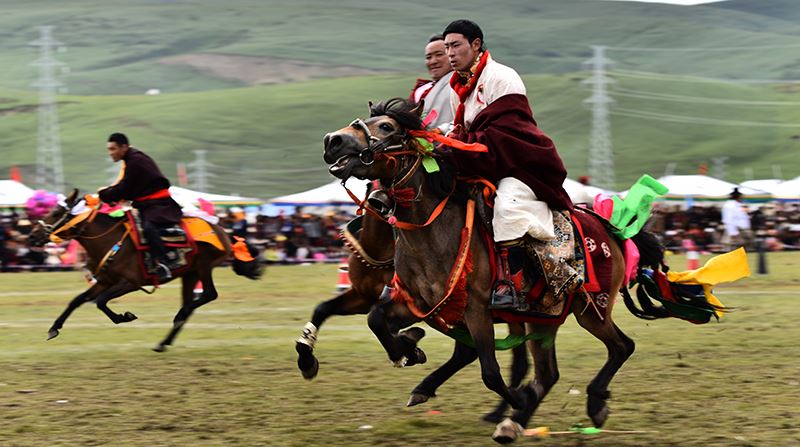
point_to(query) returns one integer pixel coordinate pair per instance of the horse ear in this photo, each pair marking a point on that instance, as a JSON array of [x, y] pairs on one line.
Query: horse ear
[[369, 107], [72, 197], [418, 109]]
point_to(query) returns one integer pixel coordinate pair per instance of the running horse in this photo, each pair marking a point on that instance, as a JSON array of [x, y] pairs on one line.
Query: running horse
[[105, 237], [432, 241], [371, 267]]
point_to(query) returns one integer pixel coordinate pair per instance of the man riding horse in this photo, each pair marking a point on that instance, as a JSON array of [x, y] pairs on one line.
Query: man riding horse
[[143, 184], [491, 107]]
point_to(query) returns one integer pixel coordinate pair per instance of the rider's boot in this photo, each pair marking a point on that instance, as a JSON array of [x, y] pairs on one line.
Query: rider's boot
[[504, 293]]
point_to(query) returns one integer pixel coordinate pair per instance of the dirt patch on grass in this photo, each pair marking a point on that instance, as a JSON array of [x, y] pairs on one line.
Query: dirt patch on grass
[[263, 70]]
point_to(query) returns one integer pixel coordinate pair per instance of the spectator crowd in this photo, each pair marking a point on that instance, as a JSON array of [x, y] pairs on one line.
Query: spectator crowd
[[305, 237]]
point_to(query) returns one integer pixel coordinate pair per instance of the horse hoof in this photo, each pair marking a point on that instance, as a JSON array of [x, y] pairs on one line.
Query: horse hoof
[[494, 418], [306, 362], [52, 334], [159, 348], [414, 333], [416, 399], [128, 316], [599, 418], [507, 432]]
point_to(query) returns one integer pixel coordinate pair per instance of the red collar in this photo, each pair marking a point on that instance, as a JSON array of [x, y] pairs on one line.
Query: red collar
[[464, 87]]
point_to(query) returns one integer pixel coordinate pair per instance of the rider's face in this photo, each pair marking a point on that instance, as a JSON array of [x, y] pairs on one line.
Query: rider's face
[[460, 51], [436, 60], [116, 151]]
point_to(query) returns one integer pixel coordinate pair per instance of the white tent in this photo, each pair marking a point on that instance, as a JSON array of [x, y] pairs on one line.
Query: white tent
[[789, 189], [331, 194], [767, 185], [704, 187], [187, 196], [14, 193]]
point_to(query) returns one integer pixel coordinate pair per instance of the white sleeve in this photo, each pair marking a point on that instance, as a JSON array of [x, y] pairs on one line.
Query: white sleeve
[[505, 81]]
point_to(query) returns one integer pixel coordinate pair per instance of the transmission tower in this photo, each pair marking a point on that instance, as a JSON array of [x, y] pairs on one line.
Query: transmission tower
[[601, 157], [720, 167], [49, 166], [200, 172]]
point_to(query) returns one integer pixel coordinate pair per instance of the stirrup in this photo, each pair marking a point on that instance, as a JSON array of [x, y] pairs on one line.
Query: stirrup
[[504, 301], [163, 272]]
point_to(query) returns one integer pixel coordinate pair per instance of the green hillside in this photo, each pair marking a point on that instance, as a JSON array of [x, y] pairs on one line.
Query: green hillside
[[127, 47], [266, 141]]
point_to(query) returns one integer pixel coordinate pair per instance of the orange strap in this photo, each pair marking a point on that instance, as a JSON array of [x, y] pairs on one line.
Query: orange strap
[[160, 194], [451, 142], [455, 271]]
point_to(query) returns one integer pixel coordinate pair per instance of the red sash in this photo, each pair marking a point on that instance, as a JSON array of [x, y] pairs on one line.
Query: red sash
[[464, 87], [160, 194]]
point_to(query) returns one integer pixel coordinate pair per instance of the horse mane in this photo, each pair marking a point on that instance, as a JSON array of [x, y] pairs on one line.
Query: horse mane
[[439, 183]]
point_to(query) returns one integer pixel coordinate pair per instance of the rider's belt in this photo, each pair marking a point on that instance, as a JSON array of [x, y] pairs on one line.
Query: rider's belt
[[160, 194]]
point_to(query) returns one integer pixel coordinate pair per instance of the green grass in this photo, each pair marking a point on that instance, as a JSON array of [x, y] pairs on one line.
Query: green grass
[[231, 379]]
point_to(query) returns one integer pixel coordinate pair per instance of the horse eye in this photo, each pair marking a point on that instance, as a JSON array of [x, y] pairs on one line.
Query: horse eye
[[386, 127]]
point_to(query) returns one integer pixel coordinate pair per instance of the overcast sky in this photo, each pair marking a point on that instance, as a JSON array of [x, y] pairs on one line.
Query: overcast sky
[[674, 2]]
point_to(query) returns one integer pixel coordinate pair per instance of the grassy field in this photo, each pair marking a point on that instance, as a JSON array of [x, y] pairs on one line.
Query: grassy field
[[231, 378]]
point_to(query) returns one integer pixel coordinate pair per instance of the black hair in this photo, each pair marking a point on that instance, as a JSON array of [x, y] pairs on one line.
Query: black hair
[[468, 28], [435, 38], [118, 138]]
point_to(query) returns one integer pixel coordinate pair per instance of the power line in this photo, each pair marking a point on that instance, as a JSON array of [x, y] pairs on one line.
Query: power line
[[694, 119], [631, 93], [698, 79], [201, 171]]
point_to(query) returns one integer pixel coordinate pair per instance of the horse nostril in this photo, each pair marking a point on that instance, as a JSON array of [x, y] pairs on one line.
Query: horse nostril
[[334, 142], [325, 140]]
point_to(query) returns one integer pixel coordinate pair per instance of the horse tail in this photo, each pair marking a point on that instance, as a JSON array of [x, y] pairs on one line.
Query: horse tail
[[651, 256], [245, 259]]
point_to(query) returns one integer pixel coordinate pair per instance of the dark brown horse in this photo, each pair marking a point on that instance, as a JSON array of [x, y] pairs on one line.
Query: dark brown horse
[[370, 268], [122, 276], [381, 148]]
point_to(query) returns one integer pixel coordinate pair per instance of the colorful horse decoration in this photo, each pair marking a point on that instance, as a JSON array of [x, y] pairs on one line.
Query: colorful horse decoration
[[443, 264], [116, 260]]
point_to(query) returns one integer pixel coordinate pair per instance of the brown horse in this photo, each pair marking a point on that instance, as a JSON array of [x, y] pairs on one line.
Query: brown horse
[[381, 148], [123, 275], [370, 268]]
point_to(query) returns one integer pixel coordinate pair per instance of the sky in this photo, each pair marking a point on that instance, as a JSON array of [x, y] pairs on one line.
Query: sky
[[674, 2]]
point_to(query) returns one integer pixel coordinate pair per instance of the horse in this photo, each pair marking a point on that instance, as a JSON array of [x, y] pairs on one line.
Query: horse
[[370, 268], [427, 251], [104, 237]]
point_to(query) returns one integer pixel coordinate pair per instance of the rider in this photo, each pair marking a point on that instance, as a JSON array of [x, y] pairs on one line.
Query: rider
[[435, 91], [491, 107], [142, 183]]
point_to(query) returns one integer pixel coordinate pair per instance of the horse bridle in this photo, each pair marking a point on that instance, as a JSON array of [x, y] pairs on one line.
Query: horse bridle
[[374, 144]]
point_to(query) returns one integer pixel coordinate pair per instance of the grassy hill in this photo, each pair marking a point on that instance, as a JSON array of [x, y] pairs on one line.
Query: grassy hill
[[258, 83], [126, 47], [266, 141]]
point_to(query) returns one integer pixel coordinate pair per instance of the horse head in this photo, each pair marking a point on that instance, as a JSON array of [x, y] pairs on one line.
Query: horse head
[[60, 214], [368, 149]]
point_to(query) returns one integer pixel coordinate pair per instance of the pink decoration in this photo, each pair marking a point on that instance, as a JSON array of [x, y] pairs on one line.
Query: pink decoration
[[604, 206], [207, 206], [40, 203]]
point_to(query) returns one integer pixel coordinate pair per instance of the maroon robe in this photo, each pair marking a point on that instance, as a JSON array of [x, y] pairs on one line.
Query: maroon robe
[[517, 148], [142, 177]]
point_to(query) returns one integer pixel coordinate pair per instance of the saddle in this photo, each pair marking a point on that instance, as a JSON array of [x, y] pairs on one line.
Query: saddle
[[178, 241], [581, 241]]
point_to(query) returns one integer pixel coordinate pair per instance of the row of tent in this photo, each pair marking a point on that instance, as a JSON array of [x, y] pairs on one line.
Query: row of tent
[[681, 187], [15, 194]]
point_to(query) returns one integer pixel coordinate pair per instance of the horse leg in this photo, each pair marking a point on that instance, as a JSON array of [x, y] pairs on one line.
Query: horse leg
[[115, 291], [620, 348], [209, 294], [479, 324], [545, 376], [349, 302], [76, 302], [402, 349], [188, 282], [462, 356], [519, 368]]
